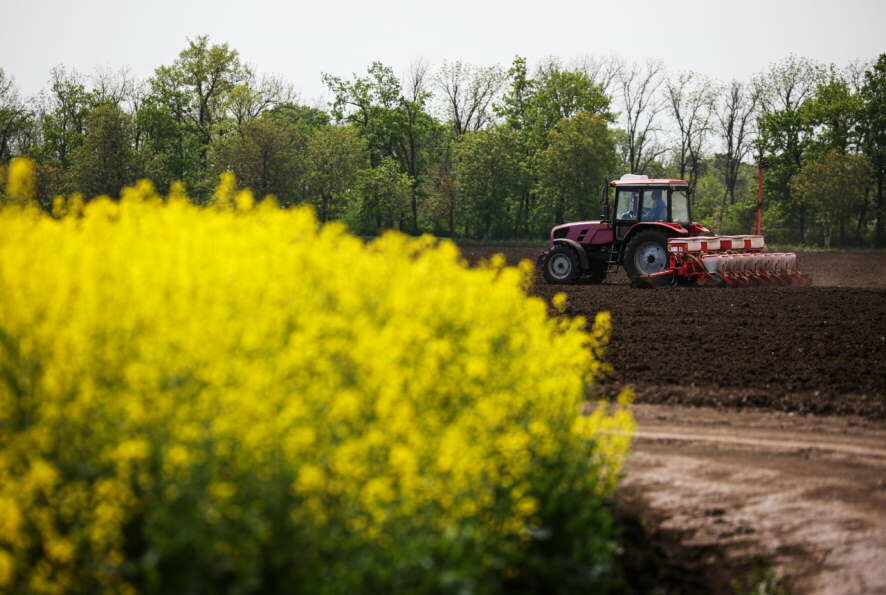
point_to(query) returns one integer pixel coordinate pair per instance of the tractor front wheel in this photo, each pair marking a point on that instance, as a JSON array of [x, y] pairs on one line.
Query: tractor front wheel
[[561, 265]]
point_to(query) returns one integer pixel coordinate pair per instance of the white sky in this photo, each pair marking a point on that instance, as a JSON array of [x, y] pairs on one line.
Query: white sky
[[299, 40]]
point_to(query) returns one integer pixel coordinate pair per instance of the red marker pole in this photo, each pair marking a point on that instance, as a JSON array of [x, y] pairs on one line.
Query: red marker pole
[[758, 229]]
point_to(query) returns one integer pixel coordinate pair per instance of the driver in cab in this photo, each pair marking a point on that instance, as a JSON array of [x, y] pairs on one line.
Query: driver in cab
[[658, 211]]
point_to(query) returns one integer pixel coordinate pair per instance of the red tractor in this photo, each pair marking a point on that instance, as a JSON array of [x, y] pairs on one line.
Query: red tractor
[[653, 237]]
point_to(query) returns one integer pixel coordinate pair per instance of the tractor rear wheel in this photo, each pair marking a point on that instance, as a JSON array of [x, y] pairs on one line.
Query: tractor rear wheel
[[647, 254], [561, 265]]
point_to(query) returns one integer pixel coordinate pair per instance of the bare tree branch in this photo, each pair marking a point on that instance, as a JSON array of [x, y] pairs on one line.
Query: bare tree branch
[[469, 92], [690, 102], [735, 117], [639, 94]]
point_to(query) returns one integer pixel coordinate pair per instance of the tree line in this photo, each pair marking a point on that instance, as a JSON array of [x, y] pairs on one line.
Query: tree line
[[474, 151]]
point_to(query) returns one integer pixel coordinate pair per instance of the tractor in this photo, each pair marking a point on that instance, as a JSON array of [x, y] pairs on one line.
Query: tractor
[[653, 237]]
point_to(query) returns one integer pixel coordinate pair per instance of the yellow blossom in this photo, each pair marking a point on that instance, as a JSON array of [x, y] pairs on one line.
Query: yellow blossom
[[221, 377]]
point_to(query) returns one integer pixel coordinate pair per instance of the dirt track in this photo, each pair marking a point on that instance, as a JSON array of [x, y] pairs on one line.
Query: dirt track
[[804, 493], [751, 476]]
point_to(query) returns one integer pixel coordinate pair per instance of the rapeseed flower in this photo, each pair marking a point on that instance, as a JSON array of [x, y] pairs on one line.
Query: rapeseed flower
[[236, 398]]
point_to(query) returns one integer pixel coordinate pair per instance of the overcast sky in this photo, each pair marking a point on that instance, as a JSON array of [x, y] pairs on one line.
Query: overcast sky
[[300, 40]]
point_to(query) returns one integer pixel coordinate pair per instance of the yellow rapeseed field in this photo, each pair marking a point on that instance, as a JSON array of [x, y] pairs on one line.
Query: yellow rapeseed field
[[235, 398]]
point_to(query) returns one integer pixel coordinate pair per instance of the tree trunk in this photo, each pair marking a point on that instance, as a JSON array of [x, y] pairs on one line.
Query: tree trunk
[[451, 212], [718, 220], [415, 207], [803, 225], [861, 214], [881, 211]]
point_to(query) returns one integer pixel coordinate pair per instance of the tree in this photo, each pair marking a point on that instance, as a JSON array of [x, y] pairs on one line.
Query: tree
[[394, 121], [367, 103], [114, 87], [837, 185], [444, 204], [206, 74], [735, 119], [103, 163], [516, 110], [64, 119], [785, 132], [171, 144], [514, 107], [602, 71], [580, 154], [14, 117], [490, 176], [469, 92], [538, 104], [562, 94], [533, 108], [873, 116], [254, 96], [418, 131], [690, 101], [267, 157], [301, 116], [834, 115], [334, 156], [641, 105], [381, 197]]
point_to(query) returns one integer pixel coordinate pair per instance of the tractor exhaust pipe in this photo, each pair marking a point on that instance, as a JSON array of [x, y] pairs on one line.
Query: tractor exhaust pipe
[[604, 202]]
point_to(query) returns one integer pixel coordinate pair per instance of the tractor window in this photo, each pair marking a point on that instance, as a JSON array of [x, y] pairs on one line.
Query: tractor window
[[679, 206], [655, 207], [626, 204]]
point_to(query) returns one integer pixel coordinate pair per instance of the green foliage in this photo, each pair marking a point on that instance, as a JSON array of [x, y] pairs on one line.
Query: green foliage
[[835, 114], [300, 116], [206, 112], [395, 124], [207, 74], [786, 132], [514, 107], [14, 117], [873, 95], [172, 144], [64, 125], [837, 186], [334, 156], [380, 199], [104, 163], [490, 176], [710, 208], [815, 122], [266, 157], [579, 157], [235, 399], [560, 94]]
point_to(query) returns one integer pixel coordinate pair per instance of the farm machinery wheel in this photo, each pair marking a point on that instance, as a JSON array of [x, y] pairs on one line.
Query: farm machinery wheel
[[646, 259], [561, 265]]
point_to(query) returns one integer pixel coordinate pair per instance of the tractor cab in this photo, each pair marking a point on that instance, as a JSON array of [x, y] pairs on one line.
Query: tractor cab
[[661, 203]]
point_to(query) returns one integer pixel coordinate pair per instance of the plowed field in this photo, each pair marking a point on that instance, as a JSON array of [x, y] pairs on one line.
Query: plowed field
[[779, 461], [819, 349]]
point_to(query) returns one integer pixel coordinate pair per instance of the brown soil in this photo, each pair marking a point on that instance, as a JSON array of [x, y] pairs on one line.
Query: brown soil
[[750, 479], [819, 349]]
